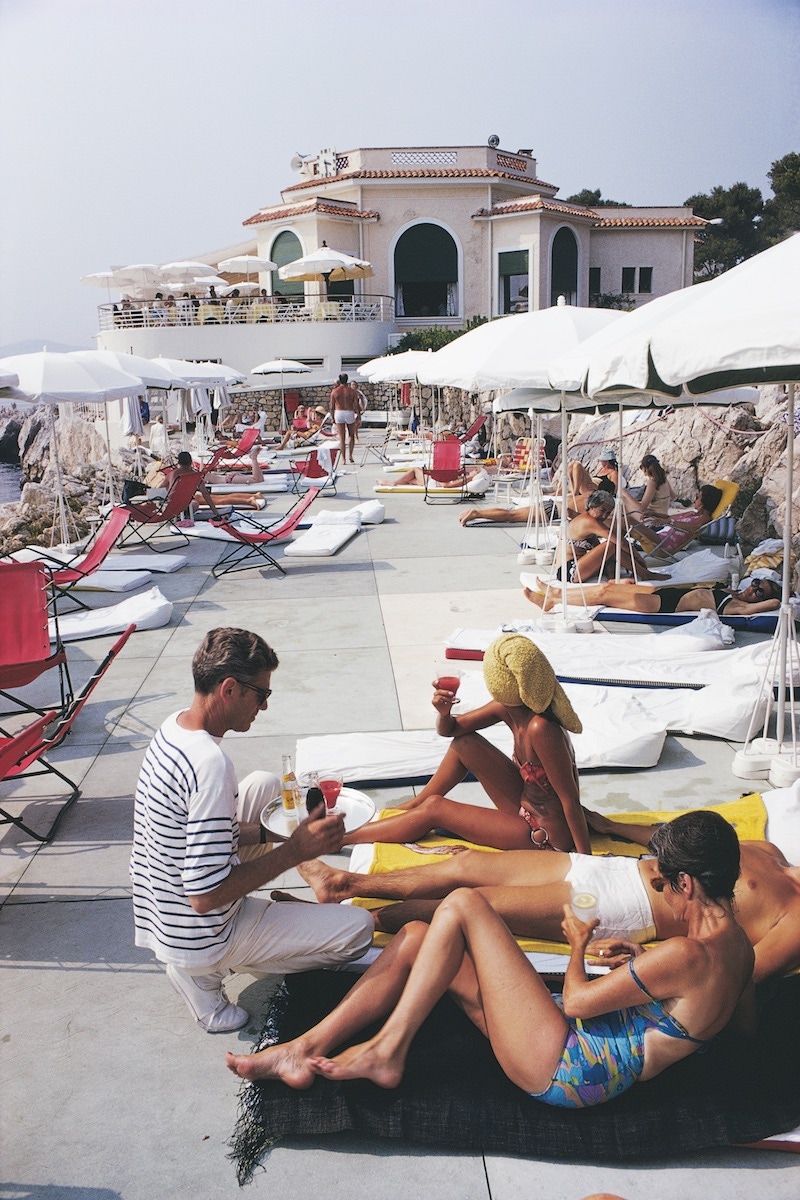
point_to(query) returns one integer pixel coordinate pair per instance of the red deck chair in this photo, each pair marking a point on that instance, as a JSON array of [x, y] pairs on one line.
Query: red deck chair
[[445, 470], [310, 471], [476, 425], [25, 651], [233, 453], [252, 548], [64, 576], [155, 516], [22, 755]]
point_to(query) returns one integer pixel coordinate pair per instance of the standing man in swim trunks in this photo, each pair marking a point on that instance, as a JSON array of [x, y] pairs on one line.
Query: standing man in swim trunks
[[343, 405], [529, 892]]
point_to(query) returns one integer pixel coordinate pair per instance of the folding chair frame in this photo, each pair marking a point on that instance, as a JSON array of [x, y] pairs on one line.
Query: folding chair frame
[[251, 550]]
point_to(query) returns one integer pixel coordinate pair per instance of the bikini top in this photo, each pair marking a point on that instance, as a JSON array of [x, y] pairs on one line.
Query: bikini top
[[536, 774], [660, 1018]]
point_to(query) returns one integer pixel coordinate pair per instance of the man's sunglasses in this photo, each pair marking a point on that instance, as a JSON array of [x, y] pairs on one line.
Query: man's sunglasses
[[262, 693]]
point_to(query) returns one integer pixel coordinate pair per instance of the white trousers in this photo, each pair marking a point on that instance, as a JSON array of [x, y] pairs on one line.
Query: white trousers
[[269, 938]]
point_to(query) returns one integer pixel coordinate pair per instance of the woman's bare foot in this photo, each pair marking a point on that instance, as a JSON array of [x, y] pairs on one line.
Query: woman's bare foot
[[289, 1062], [329, 884], [366, 1061], [540, 599]]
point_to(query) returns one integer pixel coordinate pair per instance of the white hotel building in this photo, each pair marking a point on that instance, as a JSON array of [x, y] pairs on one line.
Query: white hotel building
[[452, 232]]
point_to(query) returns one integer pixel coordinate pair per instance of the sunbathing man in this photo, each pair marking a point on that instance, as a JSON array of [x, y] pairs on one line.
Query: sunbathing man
[[529, 892], [761, 592]]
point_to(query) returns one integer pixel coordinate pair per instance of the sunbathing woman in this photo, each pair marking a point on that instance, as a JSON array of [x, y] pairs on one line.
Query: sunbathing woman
[[535, 794], [239, 499], [657, 495], [415, 476], [754, 595], [582, 1048], [680, 529], [592, 547]]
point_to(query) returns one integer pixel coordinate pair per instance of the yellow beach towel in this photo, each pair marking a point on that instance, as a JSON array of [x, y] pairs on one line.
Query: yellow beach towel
[[747, 815]]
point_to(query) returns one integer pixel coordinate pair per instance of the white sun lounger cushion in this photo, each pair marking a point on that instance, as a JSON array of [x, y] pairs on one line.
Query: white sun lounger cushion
[[617, 732], [150, 610], [116, 561], [113, 581], [321, 541], [329, 517], [649, 659], [250, 489]]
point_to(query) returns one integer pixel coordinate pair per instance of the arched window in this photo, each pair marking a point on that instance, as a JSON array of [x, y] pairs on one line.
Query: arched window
[[426, 273], [564, 267], [285, 249]]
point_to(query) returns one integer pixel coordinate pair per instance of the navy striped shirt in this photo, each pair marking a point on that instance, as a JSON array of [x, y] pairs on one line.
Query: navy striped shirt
[[185, 837]]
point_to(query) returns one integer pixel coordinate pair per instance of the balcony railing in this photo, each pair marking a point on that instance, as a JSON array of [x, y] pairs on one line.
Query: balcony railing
[[244, 310]]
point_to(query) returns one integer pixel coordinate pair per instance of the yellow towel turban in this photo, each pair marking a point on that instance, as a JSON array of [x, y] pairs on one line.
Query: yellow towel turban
[[516, 672]]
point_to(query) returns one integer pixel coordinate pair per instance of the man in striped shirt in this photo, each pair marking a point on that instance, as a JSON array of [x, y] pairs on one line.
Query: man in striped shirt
[[198, 847]]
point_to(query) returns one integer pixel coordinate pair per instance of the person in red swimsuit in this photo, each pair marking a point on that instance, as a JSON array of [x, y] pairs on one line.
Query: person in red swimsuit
[[535, 796]]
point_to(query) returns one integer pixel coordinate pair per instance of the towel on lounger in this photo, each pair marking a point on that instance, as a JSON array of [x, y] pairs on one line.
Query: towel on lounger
[[747, 815]]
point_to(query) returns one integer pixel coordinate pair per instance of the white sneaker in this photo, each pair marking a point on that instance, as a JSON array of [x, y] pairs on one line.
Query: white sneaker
[[206, 1001]]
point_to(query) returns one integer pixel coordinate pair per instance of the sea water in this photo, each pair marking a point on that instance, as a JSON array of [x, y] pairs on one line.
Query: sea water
[[9, 483]]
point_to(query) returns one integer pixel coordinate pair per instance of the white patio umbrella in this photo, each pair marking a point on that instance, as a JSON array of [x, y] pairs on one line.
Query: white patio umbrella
[[246, 264], [281, 367], [207, 373], [51, 379], [137, 275], [741, 328], [325, 266], [395, 368], [184, 271], [244, 288]]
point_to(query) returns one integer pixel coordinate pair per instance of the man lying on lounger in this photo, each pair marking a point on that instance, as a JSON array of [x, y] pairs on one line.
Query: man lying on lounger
[[529, 892]]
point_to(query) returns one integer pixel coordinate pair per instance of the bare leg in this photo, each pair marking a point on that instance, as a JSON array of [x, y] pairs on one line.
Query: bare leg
[[514, 1003], [513, 516], [375, 994], [351, 431], [340, 429], [626, 594], [535, 912], [474, 868], [496, 773], [484, 826]]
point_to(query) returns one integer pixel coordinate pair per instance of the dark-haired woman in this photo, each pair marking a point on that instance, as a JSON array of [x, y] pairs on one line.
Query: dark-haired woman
[[657, 495], [583, 1048]]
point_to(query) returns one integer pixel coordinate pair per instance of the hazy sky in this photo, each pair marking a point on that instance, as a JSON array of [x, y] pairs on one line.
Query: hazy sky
[[147, 130]]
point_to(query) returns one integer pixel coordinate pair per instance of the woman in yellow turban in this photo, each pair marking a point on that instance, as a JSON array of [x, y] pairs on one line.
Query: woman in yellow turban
[[535, 795]]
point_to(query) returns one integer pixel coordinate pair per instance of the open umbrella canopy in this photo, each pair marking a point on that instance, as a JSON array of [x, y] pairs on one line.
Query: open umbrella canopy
[[104, 279], [395, 368], [211, 374], [246, 264], [513, 351], [151, 373], [185, 270], [245, 288], [324, 265], [47, 378], [281, 366], [741, 328]]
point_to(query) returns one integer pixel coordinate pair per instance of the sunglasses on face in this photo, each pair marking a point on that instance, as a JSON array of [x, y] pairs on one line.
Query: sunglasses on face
[[262, 693], [759, 589]]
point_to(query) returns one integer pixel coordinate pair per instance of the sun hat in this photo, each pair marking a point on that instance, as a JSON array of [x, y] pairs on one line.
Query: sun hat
[[516, 672], [607, 456], [322, 411]]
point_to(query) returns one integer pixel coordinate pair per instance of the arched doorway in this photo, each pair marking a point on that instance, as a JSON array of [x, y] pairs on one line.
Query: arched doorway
[[426, 272], [285, 249], [564, 267]]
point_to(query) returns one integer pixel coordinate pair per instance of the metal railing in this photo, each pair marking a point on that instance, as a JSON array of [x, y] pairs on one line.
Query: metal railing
[[243, 310]]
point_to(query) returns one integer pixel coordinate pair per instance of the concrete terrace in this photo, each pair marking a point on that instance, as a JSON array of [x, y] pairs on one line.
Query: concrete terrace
[[111, 1092]]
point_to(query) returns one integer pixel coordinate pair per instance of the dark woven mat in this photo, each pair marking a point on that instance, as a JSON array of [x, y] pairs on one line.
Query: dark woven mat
[[455, 1096]]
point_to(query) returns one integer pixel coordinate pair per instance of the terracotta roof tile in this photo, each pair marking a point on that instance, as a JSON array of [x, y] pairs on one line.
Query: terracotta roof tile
[[323, 206], [650, 222], [536, 204], [422, 173]]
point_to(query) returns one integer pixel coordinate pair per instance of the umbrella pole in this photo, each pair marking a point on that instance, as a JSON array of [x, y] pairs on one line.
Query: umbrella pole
[[564, 535], [786, 617], [61, 503], [109, 489], [618, 516]]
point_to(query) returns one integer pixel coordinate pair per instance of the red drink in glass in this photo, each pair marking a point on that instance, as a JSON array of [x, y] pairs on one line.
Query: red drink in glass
[[330, 790], [448, 683]]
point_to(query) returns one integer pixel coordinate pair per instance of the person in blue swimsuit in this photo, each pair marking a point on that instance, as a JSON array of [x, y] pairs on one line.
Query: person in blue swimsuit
[[579, 1049]]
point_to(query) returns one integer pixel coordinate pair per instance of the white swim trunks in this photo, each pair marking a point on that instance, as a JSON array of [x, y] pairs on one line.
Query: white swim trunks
[[623, 905], [343, 416]]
